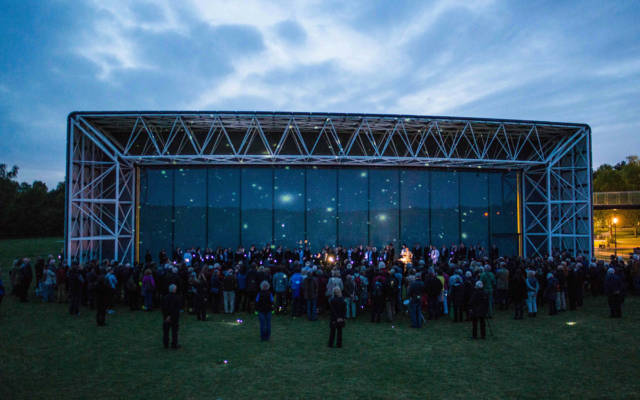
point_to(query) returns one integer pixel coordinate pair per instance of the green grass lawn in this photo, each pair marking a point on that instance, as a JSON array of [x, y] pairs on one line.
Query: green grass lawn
[[45, 353]]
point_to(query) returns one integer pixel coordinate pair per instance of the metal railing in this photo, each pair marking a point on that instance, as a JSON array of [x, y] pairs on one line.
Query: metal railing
[[616, 198]]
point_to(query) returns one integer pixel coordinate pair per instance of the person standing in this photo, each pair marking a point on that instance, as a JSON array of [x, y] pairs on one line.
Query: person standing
[[103, 294], [338, 309], [550, 292], [26, 276], [479, 309], [310, 292], [456, 286], [416, 288], [613, 291], [75, 289], [229, 291], [518, 289], [171, 305], [148, 288], [532, 293], [264, 305]]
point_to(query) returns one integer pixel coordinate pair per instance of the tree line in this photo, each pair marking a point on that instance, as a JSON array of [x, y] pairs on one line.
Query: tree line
[[29, 210], [624, 176]]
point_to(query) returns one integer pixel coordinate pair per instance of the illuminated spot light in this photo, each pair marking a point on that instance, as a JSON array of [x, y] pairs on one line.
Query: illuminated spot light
[[464, 235], [245, 226], [571, 323], [382, 217]]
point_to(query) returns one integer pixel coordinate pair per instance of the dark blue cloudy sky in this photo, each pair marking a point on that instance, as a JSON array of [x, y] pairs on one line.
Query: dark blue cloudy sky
[[554, 60]]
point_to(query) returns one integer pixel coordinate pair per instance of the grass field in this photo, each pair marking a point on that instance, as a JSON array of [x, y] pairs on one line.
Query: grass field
[[45, 353]]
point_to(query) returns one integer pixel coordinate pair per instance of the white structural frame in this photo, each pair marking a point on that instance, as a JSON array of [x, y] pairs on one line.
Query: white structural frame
[[105, 150]]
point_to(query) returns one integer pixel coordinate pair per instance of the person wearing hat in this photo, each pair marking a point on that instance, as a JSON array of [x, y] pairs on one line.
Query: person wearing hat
[[479, 310], [613, 289]]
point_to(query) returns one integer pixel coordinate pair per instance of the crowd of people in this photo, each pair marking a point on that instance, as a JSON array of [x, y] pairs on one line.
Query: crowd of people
[[345, 283]]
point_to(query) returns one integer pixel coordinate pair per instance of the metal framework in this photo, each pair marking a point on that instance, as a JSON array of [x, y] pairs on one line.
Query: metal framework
[[106, 148]]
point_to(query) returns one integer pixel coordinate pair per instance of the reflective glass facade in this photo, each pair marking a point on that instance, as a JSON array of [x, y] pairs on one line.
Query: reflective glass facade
[[232, 206]]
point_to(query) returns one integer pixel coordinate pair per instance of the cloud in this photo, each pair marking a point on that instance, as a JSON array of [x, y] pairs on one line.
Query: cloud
[[480, 58]]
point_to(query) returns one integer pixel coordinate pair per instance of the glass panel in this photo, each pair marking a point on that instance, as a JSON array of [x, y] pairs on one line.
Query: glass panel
[[414, 207], [352, 206], [474, 208], [224, 207], [257, 206], [156, 210], [444, 208], [383, 207], [288, 193], [190, 199], [503, 212], [322, 210]]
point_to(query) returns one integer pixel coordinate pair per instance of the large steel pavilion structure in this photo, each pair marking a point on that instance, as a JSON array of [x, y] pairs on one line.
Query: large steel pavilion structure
[[106, 151]]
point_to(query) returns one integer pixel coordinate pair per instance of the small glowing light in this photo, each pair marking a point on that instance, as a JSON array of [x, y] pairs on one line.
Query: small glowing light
[[225, 362], [282, 225], [245, 226], [330, 259], [253, 185], [464, 235], [486, 214], [382, 217], [329, 209], [571, 323], [286, 198], [615, 220], [239, 321], [363, 174]]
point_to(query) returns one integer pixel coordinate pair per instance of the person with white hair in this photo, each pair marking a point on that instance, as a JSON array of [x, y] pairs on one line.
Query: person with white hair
[[171, 305], [264, 305], [479, 309], [613, 289]]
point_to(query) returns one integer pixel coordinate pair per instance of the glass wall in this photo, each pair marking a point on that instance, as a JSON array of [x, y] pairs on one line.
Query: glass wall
[[223, 207], [322, 207], [190, 207], [256, 206], [288, 211], [414, 207], [156, 211], [232, 206], [353, 206]]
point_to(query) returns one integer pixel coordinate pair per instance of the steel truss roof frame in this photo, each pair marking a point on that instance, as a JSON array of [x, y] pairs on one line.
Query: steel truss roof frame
[[104, 149]]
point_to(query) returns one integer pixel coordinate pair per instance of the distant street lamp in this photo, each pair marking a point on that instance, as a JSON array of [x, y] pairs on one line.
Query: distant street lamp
[[615, 236]]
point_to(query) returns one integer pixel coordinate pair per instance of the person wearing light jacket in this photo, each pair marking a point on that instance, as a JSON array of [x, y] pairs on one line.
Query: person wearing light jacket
[[532, 293]]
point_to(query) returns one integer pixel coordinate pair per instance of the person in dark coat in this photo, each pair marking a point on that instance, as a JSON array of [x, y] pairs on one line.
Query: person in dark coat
[[468, 292], [338, 309], [103, 295], [613, 290], [416, 289], [456, 288], [310, 292], [75, 289], [433, 287], [479, 310], [518, 289], [264, 306], [171, 305], [550, 291]]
